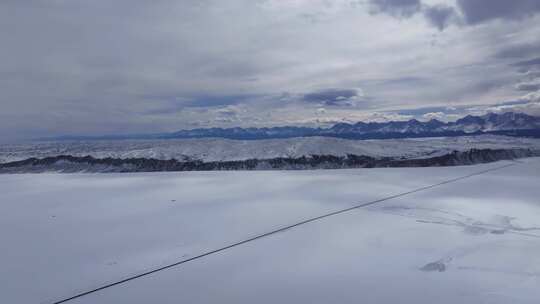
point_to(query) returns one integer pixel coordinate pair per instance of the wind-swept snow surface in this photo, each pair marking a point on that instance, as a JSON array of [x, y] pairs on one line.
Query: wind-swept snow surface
[[469, 240]]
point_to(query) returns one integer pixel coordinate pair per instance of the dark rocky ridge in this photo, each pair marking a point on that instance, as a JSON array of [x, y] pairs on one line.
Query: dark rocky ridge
[[73, 164]]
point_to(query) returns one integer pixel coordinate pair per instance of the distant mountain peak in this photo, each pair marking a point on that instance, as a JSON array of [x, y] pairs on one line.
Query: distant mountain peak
[[470, 124]]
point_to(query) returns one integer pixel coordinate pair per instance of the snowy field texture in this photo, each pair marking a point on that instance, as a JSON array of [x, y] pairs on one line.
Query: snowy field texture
[[208, 149], [469, 240]]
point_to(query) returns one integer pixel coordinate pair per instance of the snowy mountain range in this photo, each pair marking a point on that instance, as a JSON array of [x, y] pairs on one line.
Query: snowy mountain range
[[469, 140], [469, 124], [517, 124]]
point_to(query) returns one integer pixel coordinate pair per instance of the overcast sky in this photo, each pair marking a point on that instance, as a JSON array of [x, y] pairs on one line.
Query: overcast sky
[[137, 66]]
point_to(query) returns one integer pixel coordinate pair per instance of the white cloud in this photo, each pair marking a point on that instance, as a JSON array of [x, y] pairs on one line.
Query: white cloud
[[444, 117]]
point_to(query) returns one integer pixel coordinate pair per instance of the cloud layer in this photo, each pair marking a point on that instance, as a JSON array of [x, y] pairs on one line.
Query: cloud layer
[[101, 67], [478, 11]]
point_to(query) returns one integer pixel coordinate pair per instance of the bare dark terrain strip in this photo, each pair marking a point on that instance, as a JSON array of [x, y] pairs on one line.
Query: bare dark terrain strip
[[74, 164]]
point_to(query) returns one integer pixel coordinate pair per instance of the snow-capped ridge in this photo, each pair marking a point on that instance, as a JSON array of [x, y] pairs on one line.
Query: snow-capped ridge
[[489, 123]]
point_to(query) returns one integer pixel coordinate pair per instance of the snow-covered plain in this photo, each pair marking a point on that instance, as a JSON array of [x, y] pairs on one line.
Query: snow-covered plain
[[475, 240], [215, 149]]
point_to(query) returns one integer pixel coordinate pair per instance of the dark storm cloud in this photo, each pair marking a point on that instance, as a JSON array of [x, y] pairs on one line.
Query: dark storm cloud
[[472, 11], [174, 104], [528, 87], [212, 101], [440, 16], [527, 63], [478, 11], [513, 103], [404, 81], [332, 97], [530, 68], [398, 8], [519, 50]]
